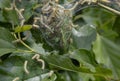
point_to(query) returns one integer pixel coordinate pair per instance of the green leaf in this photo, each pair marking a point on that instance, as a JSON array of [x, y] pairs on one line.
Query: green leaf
[[98, 16], [6, 35], [11, 68], [14, 67], [107, 53], [43, 77], [23, 28], [102, 19], [5, 3], [116, 25], [2, 17], [48, 77], [68, 76], [83, 38], [37, 78], [10, 16], [6, 45], [64, 63], [87, 60], [38, 48]]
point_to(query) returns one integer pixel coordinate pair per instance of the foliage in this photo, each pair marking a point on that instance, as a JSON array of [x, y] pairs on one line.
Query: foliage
[[44, 40]]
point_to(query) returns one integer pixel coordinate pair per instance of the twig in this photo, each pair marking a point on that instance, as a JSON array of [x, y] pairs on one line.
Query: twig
[[106, 7]]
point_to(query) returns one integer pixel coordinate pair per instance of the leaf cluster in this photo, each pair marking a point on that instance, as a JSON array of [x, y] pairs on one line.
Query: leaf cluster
[[49, 41]]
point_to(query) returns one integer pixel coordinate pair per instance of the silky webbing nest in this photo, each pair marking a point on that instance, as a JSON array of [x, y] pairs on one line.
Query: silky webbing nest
[[55, 23]]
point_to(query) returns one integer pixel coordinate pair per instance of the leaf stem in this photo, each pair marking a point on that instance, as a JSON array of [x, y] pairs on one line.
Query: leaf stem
[[19, 50], [20, 40], [27, 46]]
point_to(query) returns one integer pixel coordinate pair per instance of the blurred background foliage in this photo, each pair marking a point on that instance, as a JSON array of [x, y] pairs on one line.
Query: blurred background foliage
[[92, 55]]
